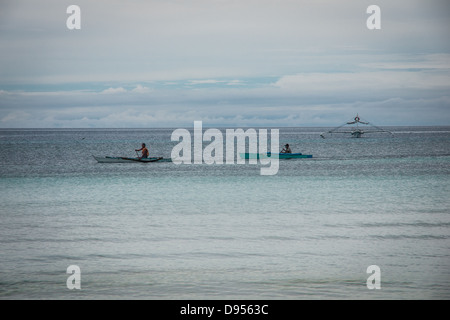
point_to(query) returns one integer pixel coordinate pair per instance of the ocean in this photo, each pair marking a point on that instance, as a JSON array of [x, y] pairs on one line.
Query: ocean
[[163, 231]]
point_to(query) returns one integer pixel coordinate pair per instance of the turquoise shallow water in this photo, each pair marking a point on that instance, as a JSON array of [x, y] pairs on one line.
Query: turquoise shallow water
[[162, 231]]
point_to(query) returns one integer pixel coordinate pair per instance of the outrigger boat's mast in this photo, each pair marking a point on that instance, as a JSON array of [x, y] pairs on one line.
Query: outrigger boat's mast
[[356, 132]]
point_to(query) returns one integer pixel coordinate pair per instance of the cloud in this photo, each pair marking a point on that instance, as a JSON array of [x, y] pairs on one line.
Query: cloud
[[138, 89], [208, 81], [114, 90], [254, 62], [292, 100], [437, 61], [204, 39], [16, 117], [366, 84], [141, 89], [235, 83]]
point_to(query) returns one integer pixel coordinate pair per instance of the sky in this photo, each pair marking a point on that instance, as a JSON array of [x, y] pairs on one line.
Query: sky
[[228, 63]]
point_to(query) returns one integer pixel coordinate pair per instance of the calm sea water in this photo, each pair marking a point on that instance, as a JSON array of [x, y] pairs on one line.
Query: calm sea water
[[166, 231]]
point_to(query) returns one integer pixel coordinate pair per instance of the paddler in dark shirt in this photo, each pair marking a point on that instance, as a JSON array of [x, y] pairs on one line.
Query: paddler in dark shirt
[[286, 149], [144, 150]]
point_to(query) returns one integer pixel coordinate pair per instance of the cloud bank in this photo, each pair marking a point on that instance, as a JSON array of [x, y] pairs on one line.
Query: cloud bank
[[225, 62]]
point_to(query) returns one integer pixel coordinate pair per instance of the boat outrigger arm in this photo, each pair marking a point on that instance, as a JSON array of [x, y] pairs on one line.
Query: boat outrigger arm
[[356, 132]]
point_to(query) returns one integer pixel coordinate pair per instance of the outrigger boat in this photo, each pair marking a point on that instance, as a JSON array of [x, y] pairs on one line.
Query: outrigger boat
[[356, 132], [271, 155], [128, 159]]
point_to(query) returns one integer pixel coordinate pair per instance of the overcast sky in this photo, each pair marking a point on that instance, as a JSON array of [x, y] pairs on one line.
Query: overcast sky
[[167, 63]]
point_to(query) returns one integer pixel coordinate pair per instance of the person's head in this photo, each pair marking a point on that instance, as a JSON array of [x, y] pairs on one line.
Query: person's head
[[287, 145], [143, 145]]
